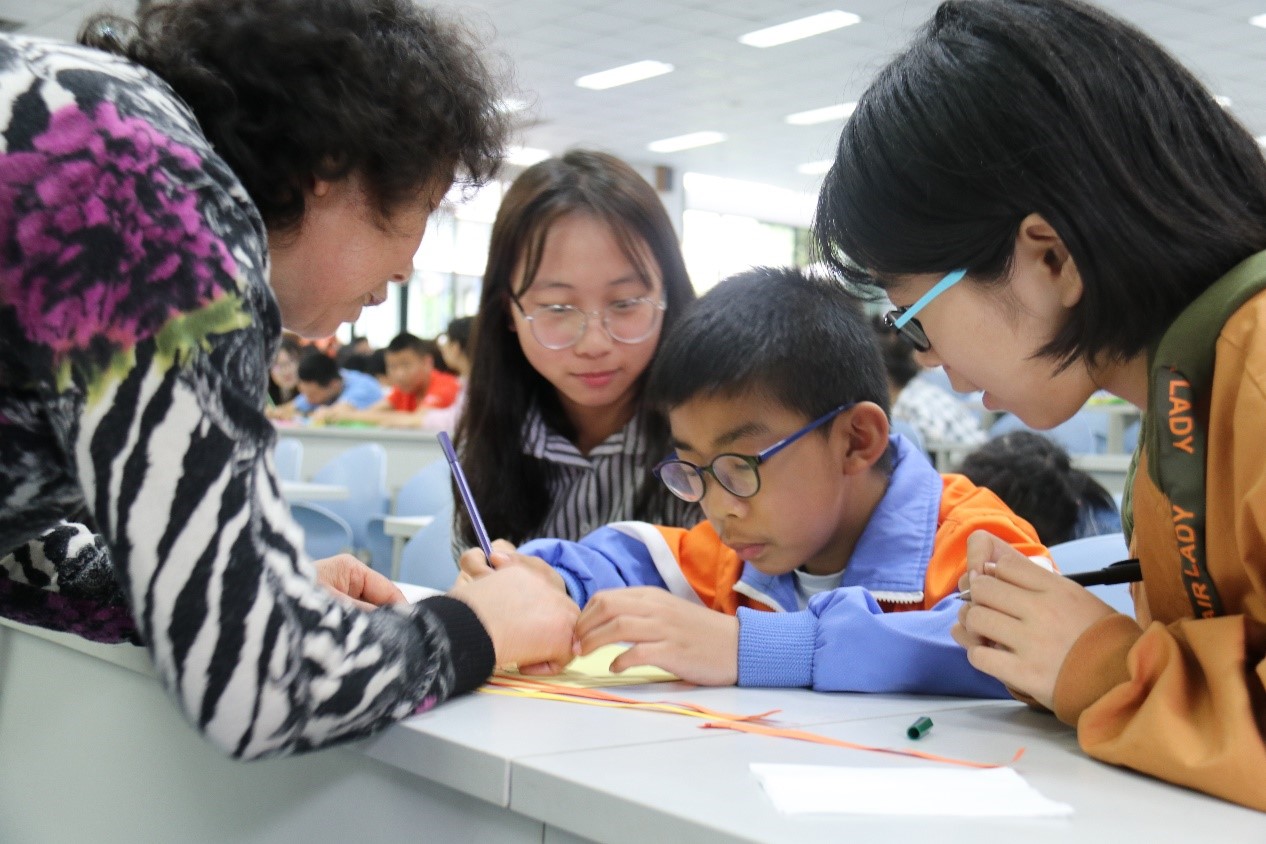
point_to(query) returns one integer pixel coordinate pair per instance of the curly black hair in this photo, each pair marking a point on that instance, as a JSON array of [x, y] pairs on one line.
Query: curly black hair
[[289, 90]]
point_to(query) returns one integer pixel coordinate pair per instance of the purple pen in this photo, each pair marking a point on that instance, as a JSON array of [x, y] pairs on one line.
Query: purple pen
[[481, 532]]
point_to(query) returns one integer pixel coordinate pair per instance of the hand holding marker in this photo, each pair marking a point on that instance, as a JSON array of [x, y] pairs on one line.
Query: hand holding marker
[[1124, 571]]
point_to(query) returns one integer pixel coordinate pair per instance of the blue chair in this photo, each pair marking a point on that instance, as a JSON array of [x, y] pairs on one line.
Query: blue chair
[[1130, 439], [1077, 435], [427, 559], [363, 470], [427, 492], [1091, 553], [324, 533], [288, 457]]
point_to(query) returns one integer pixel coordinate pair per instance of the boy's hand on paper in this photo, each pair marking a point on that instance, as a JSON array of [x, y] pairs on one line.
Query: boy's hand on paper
[[530, 622], [1022, 620], [341, 412], [504, 555], [695, 643], [350, 579], [324, 414]]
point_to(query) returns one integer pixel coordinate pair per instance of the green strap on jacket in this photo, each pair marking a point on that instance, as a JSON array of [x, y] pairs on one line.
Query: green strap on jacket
[[1181, 376]]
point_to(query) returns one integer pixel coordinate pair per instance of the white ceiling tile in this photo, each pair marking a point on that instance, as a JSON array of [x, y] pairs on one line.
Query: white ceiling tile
[[746, 92]]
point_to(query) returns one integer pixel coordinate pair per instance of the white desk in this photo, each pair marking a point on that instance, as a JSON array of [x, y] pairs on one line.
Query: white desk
[[400, 529], [93, 750], [407, 451], [309, 491]]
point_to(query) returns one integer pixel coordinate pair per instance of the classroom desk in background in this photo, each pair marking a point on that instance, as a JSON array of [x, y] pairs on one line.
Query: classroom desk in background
[[308, 491], [94, 750], [407, 451]]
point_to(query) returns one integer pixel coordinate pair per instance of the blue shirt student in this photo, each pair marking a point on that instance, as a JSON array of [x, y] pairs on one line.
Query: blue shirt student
[[357, 389]]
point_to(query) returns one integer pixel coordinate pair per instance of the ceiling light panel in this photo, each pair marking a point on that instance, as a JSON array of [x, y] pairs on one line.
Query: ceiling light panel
[[690, 141], [801, 28], [815, 168], [624, 75], [821, 115]]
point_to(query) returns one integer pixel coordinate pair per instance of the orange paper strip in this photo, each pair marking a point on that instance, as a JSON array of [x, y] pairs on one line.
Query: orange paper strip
[[579, 695], [801, 735]]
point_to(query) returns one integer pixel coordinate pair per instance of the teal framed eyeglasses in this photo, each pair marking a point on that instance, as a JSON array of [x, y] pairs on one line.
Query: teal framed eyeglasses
[[903, 322]]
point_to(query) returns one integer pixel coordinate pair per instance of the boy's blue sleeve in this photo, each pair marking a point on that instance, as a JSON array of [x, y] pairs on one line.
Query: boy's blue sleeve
[[605, 559], [844, 642]]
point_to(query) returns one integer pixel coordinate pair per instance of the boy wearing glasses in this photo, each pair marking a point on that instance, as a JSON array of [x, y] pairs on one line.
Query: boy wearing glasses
[[777, 401]]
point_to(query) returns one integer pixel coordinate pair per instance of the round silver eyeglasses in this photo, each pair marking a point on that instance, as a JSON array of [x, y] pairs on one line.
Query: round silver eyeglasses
[[625, 321]]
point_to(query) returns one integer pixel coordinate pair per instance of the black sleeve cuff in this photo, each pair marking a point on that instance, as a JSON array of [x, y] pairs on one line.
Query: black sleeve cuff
[[473, 654]]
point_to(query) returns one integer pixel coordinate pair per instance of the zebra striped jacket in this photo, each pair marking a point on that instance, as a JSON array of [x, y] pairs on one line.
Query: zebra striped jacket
[[136, 480]]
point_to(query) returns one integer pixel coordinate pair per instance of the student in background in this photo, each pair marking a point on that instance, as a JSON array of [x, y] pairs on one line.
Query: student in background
[[941, 417], [813, 511], [454, 346], [1062, 207], [1034, 475], [378, 368], [283, 373], [323, 387], [268, 197], [419, 392], [416, 385], [584, 275], [357, 363], [358, 347]]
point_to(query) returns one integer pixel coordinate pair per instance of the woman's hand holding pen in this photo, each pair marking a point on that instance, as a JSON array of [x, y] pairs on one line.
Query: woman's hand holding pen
[[474, 565], [531, 623], [1022, 620]]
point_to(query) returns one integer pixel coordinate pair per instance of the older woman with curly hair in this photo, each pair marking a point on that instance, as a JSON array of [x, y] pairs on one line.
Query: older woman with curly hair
[[172, 193]]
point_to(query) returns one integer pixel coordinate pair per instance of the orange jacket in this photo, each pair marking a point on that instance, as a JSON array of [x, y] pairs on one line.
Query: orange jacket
[[714, 571], [1177, 697]]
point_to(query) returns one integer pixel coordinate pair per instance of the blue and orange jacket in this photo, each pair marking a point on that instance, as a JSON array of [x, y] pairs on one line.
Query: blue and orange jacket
[[884, 629]]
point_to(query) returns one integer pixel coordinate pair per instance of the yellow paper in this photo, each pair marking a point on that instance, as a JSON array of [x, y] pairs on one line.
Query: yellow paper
[[593, 672]]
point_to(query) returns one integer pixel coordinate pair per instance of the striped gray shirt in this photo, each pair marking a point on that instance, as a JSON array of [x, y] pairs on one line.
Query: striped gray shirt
[[590, 491]]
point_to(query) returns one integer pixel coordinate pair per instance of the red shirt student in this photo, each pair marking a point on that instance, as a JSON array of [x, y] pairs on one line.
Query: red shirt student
[[421, 396]]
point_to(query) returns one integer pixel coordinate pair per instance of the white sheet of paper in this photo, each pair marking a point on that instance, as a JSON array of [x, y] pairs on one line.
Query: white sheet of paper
[[966, 792], [414, 593]]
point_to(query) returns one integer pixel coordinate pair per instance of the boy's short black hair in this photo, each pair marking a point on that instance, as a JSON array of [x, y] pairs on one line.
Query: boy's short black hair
[[406, 342], [318, 368], [801, 340], [357, 363]]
